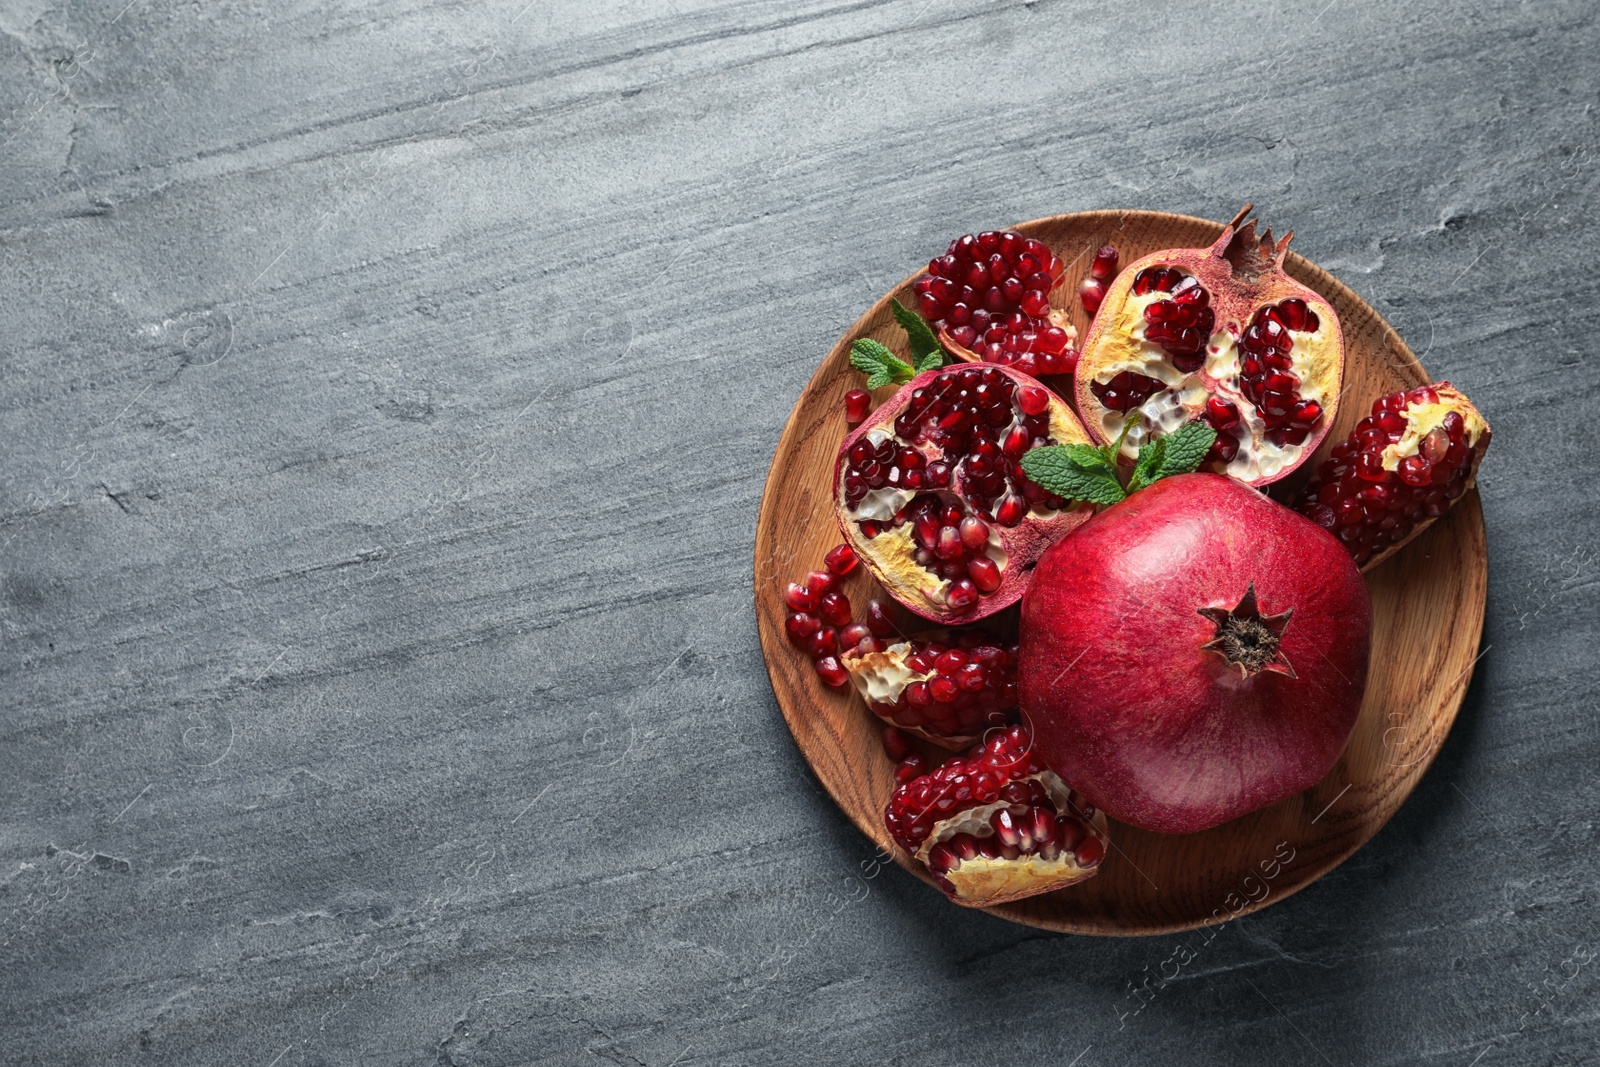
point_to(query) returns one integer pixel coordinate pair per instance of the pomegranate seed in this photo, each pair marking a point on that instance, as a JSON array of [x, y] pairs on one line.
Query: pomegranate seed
[[943, 689], [841, 560], [831, 672], [801, 626], [912, 766], [1435, 444], [835, 607], [1105, 263], [852, 635], [878, 620], [800, 598], [962, 594], [825, 642], [1416, 470], [1010, 511], [949, 543], [1091, 294], [1033, 400], [896, 743], [821, 583], [857, 402], [1090, 852], [985, 574]]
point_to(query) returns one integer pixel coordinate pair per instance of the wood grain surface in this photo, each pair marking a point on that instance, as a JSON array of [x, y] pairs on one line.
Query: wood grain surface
[[1428, 603]]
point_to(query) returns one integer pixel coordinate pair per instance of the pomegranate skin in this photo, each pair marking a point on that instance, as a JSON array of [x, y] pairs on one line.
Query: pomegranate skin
[[1126, 705]]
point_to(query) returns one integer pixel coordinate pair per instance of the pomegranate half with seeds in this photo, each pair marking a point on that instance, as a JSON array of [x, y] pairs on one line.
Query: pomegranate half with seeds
[[946, 687], [996, 825], [930, 493], [988, 297], [1196, 652], [1401, 467], [1221, 334]]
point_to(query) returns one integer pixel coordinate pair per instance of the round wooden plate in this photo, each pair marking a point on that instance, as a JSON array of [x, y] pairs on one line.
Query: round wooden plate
[[1427, 602]]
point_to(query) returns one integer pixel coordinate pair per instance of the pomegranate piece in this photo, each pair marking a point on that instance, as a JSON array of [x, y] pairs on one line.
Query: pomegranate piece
[[946, 687], [930, 493], [1221, 334], [1196, 652], [995, 825], [1401, 468], [988, 298]]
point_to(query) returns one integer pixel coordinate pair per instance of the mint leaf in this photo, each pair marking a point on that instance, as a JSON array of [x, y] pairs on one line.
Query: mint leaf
[[1069, 471], [932, 361], [1114, 449], [880, 365], [919, 334], [1144, 471], [1184, 449]]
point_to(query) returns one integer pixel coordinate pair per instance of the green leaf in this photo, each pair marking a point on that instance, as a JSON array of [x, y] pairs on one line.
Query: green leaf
[[880, 365], [919, 334], [1179, 452], [1069, 471], [1114, 449], [932, 361], [1144, 471], [1185, 449]]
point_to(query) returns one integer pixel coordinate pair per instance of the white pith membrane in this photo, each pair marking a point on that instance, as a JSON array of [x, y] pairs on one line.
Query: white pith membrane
[[982, 879], [893, 551], [880, 677], [1420, 421], [1184, 397]]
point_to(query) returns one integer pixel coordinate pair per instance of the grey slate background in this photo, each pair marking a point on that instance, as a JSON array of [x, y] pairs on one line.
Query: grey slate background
[[387, 394]]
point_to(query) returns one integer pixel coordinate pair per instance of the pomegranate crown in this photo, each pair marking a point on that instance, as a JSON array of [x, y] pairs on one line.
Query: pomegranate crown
[[1250, 256]]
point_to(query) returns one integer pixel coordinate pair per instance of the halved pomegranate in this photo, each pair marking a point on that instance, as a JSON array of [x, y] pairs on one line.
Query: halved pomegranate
[[1220, 334], [928, 490], [995, 825], [988, 297], [946, 687], [1402, 467]]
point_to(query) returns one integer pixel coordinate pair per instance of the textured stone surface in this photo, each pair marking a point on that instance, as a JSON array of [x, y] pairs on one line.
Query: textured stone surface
[[387, 392]]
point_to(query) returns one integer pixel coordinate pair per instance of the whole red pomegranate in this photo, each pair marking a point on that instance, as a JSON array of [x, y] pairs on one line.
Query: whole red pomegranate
[[1196, 652], [1221, 334], [930, 494]]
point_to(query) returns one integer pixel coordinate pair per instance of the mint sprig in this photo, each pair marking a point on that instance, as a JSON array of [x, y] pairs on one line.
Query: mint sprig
[[1082, 472], [880, 365], [925, 350], [1179, 452]]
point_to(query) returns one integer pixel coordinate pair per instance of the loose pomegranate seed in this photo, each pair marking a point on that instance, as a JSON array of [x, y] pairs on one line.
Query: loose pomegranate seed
[[841, 560], [801, 626], [896, 743], [800, 598], [825, 642], [910, 768], [831, 673], [821, 583], [835, 607], [878, 620], [1105, 264], [1091, 294], [857, 402], [853, 635]]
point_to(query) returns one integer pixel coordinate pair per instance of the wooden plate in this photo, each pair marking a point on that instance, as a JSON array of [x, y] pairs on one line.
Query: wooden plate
[[1427, 603]]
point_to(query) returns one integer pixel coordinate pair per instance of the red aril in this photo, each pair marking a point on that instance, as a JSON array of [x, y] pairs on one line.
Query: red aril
[[1092, 290], [946, 687], [857, 402], [1401, 468], [988, 297], [1196, 652], [995, 825], [1221, 334], [935, 470]]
